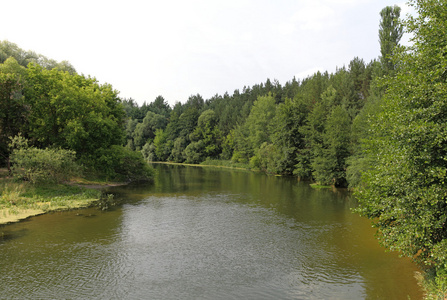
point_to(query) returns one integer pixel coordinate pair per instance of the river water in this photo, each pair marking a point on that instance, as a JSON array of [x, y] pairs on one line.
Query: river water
[[204, 233]]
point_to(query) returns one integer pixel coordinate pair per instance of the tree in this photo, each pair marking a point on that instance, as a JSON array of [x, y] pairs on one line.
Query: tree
[[177, 150], [208, 132], [145, 132], [337, 138], [194, 152], [160, 143], [188, 121], [390, 33], [259, 121], [8, 50], [72, 112], [289, 140], [160, 107], [404, 191], [13, 112]]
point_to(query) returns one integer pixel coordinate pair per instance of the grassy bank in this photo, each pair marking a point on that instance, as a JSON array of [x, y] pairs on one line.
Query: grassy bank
[[20, 200], [210, 163]]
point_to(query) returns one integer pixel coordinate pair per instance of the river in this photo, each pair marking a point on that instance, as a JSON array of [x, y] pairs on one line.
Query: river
[[204, 233]]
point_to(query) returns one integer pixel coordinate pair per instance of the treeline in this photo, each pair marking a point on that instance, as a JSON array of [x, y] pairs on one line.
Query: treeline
[[303, 128], [49, 106], [309, 128]]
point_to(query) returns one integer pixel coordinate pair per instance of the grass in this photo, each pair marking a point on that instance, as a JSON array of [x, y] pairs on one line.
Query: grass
[[319, 186], [19, 200], [225, 164], [213, 163]]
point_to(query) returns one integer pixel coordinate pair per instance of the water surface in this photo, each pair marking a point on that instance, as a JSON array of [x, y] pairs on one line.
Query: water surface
[[203, 233]]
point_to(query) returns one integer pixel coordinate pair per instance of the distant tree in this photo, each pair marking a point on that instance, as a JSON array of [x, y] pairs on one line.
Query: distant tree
[[242, 148], [208, 132], [132, 110], [178, 149], [390, 33], [194, 152], [187, 122], [337, 138], [259, 122], [145, 131], [161, 150], [195, 102], [8, 49], [160, 107]]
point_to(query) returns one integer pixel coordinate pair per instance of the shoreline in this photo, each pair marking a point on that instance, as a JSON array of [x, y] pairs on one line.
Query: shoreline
[[9, 215], [20, 214]]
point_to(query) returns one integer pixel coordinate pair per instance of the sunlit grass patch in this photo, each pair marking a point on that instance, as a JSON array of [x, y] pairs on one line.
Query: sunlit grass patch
[[319, 186], [19, 200]]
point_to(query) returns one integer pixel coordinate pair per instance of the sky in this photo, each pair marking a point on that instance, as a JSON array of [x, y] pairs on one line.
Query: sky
[[179, 48]]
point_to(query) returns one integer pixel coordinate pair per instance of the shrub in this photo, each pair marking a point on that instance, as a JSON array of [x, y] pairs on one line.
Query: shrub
[[44, 165], [120, 163]]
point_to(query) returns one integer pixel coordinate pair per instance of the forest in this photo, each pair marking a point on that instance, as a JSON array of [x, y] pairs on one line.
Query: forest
[[376, 127]]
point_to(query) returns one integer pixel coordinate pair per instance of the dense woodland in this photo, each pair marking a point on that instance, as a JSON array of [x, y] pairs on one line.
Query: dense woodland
[[50, 109], [377, 127]]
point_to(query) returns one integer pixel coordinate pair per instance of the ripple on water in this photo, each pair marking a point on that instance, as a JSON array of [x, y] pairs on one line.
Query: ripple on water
[[191, 247], [201, 246]]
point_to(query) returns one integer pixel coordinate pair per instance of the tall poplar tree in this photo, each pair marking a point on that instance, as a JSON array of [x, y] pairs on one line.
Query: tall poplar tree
[[390, 33]]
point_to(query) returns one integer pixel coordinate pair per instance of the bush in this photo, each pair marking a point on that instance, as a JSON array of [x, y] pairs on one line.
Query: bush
[[44, 165], [120, 163]]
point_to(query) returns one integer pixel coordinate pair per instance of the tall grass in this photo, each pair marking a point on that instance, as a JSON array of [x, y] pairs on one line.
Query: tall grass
[[11, 193]]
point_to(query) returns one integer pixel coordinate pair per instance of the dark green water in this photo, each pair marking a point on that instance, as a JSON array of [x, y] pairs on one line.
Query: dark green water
[[201, 233]]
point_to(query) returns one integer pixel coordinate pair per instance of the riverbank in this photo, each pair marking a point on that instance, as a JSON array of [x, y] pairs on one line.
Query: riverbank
[[211, 163], [21, 200]]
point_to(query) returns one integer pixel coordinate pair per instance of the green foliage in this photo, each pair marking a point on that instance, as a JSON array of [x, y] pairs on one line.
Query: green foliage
[[194, 152], [72, 111], [13, 111], [148, 152], [120, 163], [242, 148], [187, 122], [287, 137], [145, 132], [10, 50], [259, 121], [265, 159], [404, 190], [42, 165], [337, 137], [207, 132], [177, 153], [434, 282], [390, 33], [162, 149]]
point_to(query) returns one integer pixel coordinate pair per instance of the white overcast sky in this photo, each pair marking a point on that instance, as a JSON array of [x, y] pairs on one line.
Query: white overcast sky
[[177, 48]]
